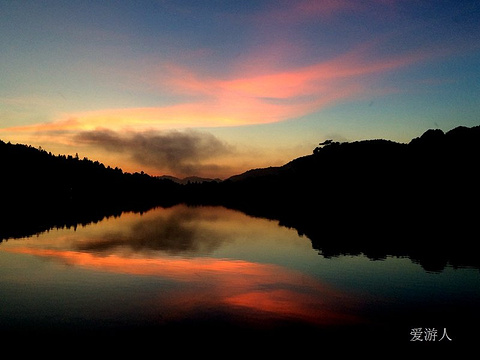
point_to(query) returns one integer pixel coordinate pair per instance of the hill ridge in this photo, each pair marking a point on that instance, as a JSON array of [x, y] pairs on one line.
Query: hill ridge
[[460, 136]]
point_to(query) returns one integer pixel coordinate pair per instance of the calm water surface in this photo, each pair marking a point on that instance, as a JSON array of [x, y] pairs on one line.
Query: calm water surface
[[202, 269]]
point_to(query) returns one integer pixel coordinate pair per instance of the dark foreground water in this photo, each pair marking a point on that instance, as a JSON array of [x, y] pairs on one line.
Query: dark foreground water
[[212, 276]]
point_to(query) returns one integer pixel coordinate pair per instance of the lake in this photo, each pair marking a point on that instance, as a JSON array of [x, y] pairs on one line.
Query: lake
[[210, 271]]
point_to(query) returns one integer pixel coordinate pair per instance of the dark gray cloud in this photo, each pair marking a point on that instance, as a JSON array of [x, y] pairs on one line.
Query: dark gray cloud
[[186, 152]]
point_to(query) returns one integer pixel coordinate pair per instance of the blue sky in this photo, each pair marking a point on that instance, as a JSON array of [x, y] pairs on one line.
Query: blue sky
[[214, 88]]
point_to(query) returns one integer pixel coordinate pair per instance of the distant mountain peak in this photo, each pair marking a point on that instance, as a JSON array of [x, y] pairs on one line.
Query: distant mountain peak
[[189, 179]]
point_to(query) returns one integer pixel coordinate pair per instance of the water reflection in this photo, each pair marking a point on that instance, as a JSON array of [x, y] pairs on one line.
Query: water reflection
[[188, 230], [218, 260], [177, 230], [210, 265], [220, 283]]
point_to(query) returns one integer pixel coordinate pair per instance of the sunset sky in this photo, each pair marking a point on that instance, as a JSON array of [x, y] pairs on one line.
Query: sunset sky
[[214, 88]]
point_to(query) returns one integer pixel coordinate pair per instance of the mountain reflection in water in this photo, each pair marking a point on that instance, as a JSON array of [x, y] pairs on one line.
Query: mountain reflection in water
[[188, 267]]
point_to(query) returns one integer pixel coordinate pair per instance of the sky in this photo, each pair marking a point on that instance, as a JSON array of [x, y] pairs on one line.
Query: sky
[[215, 88]]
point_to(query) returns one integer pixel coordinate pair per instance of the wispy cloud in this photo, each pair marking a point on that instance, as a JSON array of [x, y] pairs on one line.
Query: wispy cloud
[[296, 11], [262, 96], [255, 90]]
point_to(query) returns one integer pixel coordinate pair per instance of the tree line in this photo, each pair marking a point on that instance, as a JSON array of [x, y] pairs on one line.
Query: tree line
[[33, 177]]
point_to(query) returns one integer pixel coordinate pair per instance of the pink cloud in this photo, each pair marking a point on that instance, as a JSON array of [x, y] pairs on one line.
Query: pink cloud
[[248, 95], [254, 96], [307, 9]]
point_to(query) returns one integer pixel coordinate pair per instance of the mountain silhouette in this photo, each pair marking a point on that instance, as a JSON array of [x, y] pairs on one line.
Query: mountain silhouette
[[376, 197], [30, 174], [41, 190], [436, 167], [434, 149]]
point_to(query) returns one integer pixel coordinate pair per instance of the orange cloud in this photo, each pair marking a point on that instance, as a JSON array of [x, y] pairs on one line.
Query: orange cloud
[[257, 96], [58, 126]]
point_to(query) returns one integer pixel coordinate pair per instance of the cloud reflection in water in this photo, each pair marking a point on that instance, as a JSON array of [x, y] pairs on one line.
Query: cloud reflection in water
[[179, 244]]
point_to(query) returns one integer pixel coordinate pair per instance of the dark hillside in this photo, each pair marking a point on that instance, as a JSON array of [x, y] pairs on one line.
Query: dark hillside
[[40, 189], [31, 176], [375, 197], [435, 167]]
